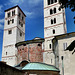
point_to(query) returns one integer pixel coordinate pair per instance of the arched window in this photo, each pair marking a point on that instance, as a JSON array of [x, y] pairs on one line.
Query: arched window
[[48, 2], [51, 1], [51, 11], [6, 53], [8, 22], [54, 20], [50, 46], [54, 10], [51, 21], [55, 0], [53, 31]]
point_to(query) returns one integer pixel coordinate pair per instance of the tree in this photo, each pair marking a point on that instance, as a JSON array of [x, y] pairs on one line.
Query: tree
[[68, 4]]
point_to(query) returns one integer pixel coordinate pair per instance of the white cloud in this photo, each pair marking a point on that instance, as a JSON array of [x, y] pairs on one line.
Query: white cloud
[[29, 14], [34, 1], [1, 20], [16, 1], [1, 9], [1, 27], [1, 24]]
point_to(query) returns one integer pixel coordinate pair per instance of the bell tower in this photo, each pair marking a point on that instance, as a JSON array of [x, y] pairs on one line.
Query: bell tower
[[54, 24], [14, 31]]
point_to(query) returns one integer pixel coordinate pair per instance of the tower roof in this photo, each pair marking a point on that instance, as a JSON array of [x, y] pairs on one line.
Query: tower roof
[[15, 7]]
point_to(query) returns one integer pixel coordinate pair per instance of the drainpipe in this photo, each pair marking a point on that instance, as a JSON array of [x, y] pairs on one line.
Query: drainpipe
[[28, 53], [62, 65]]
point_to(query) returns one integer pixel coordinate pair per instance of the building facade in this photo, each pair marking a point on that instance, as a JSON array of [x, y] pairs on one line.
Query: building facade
[[14, 31], [54, 24], [65, 59]]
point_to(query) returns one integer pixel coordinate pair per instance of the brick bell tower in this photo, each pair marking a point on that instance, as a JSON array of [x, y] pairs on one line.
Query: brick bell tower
[[54, 24], [14, 31]]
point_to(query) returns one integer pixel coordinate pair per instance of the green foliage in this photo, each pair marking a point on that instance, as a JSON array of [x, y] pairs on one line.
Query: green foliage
[[68, 4]]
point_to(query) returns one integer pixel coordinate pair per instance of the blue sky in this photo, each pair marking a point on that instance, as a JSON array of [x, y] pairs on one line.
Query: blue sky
[[34, 20]]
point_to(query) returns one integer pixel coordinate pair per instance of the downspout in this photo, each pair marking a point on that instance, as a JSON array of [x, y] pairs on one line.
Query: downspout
[[62, 65]]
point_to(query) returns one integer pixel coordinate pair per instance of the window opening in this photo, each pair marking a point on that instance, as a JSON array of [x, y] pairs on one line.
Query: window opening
[[10, 32], [54, 10], [51, 21], [50, 46], [53, 31], [8, 22], [9, 14], [48, 2], [12, 20], [54, 20], [51, 11]]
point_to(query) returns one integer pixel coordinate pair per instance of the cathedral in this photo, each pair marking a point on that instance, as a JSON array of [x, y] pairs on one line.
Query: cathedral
[[54, 49]]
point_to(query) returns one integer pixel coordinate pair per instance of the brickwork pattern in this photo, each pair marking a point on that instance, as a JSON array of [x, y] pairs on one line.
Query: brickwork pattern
[[35, 52]]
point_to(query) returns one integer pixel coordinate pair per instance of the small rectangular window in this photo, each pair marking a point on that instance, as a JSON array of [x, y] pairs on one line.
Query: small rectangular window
[[8, 22], [51, 1], [13, 13], [55, 0], [9, 14], [21, 25], [19, 15], [20, 34], [64, 45], [54, 20], [51, 21], [9, 31], [12, 20], [50, 46], [48, 2], [53, 31]]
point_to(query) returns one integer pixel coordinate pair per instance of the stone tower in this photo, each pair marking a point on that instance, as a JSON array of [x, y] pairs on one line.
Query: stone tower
[[14, 31], [54, 24]]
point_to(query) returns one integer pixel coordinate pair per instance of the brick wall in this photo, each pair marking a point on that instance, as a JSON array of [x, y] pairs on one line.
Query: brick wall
[[35, 52]]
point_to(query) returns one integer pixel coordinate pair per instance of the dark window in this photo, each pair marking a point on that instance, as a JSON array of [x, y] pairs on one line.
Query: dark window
[[9, 31], [8, 22], [39, 44], [51, 21], [53, 31], [6, 53], [48, 2], [24, 44], [54, 20], [22, 18], [20, 34], [21, 25], [55, 0], [19, 15], [9, 14], [54, 10], [13, 13], [12, 20], [51, 11], [50, 46], [51, 1]]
